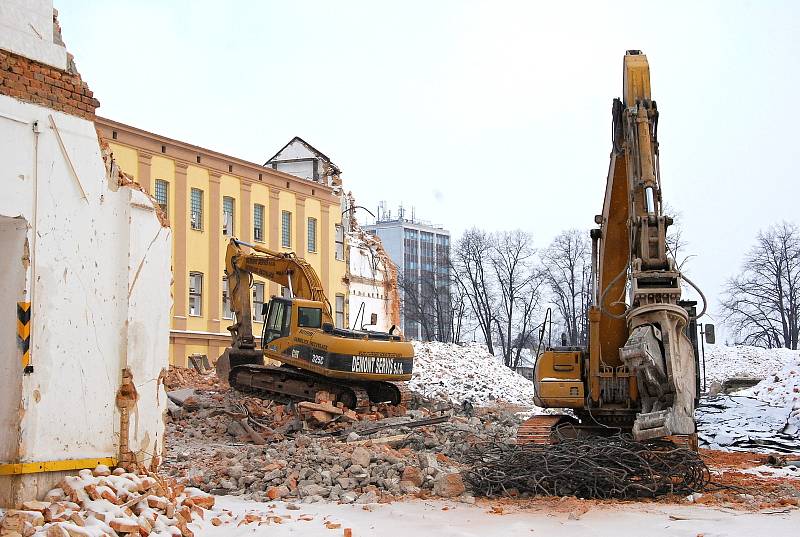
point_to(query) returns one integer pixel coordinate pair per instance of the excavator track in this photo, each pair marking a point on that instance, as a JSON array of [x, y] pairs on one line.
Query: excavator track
[[289, 383], [538, 430], [405, 392]]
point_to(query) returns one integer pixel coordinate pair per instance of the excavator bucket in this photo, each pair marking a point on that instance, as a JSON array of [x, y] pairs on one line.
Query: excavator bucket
[[233, 357]]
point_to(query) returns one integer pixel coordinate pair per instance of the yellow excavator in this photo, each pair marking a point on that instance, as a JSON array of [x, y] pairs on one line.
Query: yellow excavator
[[639, 373], [305, 353]]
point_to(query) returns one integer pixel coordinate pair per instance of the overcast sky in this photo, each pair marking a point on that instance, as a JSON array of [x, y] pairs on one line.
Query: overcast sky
[[489, 114]]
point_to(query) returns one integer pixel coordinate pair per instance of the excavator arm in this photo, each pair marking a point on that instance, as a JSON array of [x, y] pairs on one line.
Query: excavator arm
[[646, 332], [243, 260]]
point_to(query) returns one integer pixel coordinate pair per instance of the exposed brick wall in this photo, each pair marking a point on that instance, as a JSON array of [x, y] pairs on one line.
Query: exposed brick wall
[[34, 82]]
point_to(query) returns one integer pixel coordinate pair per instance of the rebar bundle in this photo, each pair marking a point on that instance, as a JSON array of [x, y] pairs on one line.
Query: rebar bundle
[[597, 467]]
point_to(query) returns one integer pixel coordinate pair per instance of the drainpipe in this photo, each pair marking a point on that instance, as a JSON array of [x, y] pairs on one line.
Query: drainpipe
[[34, 231]]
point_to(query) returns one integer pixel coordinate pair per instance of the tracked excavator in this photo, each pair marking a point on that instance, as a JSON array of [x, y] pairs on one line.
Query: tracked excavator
[[639, 373], [300, 351]]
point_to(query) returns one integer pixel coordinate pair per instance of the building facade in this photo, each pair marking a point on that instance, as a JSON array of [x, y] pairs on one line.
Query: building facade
[[209, 198], [422, 254]]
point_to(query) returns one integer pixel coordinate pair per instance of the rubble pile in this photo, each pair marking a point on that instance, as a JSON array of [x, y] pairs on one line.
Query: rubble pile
[[782, 389], [765, 417], [724, 362], [375, 456], [102, 502], [467, 373]]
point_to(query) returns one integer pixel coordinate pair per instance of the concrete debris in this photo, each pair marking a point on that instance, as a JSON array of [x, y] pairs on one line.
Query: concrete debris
[[102, 502], [372, 457], [179, 397]]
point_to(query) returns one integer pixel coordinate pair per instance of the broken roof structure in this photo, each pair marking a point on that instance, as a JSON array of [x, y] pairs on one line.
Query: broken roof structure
[[301, 159]]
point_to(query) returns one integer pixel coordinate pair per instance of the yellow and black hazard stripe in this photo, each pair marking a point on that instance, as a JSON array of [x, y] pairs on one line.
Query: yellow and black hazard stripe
[[24, 334]]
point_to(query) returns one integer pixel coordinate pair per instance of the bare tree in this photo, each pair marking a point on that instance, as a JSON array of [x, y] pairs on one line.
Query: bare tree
[[762, 303], [512, 257], [677, 244], [458, 309], [567, 268], [471, 270], [427, 301], [527, 313]]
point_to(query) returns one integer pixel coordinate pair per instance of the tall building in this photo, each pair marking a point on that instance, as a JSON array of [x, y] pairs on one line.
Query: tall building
[[422, 254], [210, 197]]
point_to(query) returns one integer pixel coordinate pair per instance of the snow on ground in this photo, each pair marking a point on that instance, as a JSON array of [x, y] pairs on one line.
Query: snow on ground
[[723, 362], [447, 519], [737, 423], [467, 372], [788, 471]]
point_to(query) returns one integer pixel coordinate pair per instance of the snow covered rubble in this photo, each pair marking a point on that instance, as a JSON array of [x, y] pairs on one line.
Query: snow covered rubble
[[208, 449], [724, 362], [459, 373], [99, 502], [765, 417]]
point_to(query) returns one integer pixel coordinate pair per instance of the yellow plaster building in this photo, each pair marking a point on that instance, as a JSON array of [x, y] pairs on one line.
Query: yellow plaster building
[[209, 198]]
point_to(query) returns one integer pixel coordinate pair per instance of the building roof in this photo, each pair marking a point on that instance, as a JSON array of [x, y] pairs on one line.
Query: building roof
[[212, 160], [308, 146]]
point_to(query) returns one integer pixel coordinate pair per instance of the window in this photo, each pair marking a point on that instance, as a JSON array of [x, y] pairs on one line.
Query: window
[[339, 243], [312, 234], [258, 222], [286, 229], [258, 302], [227, 215], [197, 209], [285, 292], [162, 194], [339, 311], [309, 317], [195, 294], [227, 312]]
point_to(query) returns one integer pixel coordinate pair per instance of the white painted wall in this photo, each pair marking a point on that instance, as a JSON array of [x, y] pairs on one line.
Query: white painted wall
[[295, 150], [99, 281], [303, 169], [26, 28]]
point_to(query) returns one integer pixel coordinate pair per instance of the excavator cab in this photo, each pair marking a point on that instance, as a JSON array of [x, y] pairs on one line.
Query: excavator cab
[[277, 317]]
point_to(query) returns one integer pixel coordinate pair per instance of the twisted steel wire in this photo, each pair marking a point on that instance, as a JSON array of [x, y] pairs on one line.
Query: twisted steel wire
[[598, 467]]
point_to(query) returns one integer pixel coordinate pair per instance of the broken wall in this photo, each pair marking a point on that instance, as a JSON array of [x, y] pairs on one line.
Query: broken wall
[[372, 278], [92, 260]]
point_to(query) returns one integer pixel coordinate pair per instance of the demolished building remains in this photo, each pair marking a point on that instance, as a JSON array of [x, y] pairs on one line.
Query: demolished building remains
[[85, 276], [374, 299]]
